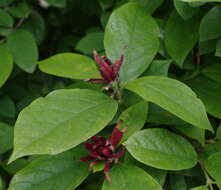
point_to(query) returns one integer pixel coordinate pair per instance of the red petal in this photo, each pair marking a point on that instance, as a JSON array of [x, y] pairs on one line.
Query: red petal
[[106, 171], [119, 154], [106, 151], [117, 65], [98, 139], [116, 136], [107, 72], [88, 146], [87, 159]]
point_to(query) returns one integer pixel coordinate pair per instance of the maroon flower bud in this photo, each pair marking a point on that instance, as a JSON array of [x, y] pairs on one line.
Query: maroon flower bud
[[104, 150], [108, 71]]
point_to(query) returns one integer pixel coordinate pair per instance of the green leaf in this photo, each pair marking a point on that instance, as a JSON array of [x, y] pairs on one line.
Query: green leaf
[[192, 132], [20, 11], [90, 42], [6, 64], [149, 5], [212, 21], [174, 97], [105, 4], [1, 183], [192, 1], [133, 33], [5, 19], [213, 72], [200, 188], [4, 3], [177, 182], [209, 93], [184, 9], [59, 172], [61, 121], [36, 25], [158, 68], [57, 3], [70, 65], [7, 107], [130, 177], [218, 48], [24, 50], [218, 133], [134, 118], [162, 149], [158, 115], [15, 166], [213, 165], [6, 137], [178, 40], [206, 47]]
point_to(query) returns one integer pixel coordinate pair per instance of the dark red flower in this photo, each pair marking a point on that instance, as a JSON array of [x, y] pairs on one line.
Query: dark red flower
[[104, 150], [109, 71]]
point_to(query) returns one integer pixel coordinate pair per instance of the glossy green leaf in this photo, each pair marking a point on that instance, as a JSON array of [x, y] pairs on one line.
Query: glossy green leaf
[[134, 118], [61, 121], [184, 9], [158, 68], [6, 64], [24, 50], [162, 149], [5, 19], [90, 42], [174, 97], [213, 72], [6, 137], [132, 32], [209, 93], [58, 172], [130, 177], [70, 65], [20, 11], [7, 107], [212, 21], [178, 40], [213, 165], [218, 48], [149, 5], [200, 188]]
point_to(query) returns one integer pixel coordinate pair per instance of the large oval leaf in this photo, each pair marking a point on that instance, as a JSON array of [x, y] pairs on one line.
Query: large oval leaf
[[6, 137], [213, 72], [60, 121], [129, 177], [178, 40], [212, 21], [213, 165], [209, 93], [6, 64], [174, 97], [59, 172], [24, 50], [131, 31], [162, 149], [70, 65]]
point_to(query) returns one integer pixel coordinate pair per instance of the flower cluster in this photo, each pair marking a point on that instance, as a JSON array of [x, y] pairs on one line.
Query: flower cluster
[[109, 71], [104, 150]]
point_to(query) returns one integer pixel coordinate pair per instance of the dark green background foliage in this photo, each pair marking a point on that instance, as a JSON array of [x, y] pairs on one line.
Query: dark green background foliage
[[169, 95]]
